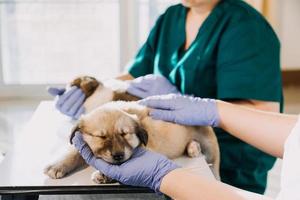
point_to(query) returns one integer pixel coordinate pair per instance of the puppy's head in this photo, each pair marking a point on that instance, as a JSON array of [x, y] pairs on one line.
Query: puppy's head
[[112, 134], [87, 84]]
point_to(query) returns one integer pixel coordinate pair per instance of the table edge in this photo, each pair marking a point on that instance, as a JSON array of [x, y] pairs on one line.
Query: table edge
[[82, 189]]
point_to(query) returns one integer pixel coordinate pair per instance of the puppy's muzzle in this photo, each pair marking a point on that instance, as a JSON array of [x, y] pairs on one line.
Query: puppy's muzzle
[[118, 156]]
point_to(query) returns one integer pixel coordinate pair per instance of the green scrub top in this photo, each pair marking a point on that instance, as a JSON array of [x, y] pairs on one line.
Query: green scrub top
[[235, 56]]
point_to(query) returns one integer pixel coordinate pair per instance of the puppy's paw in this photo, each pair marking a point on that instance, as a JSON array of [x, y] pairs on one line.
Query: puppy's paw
[[193, 149], [100, 178], [55, 171]]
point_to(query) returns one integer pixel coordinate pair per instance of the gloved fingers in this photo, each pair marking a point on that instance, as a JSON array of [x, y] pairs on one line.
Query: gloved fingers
[[67, 105], [151, 77], [136, 81], [109, 170], [112, 171], [143, 85], [76, 106], [66, 95], [115, 171], [137, 92], [55, 91], [77, 140], [148, 82], [157, 102], [165, 115], [79, 113], [145, 81], [83, 148], [138, 151]]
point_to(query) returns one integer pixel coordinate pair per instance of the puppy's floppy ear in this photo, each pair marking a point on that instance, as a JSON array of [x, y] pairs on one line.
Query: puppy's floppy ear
[[142, 135], [74, 129]]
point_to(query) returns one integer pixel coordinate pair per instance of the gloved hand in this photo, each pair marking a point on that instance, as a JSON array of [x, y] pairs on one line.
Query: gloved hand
[[69, 102], [150, 85], [184, 110], [145, 168]]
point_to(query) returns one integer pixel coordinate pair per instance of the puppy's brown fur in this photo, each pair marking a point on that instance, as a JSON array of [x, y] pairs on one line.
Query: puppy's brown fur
[[117, 128], [87, 84]]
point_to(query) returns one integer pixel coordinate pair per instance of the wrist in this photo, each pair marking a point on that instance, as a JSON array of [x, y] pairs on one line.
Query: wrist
[[166, 181], [163, 170], [170, 183], [221, 107], [208, 111], [214, 113]]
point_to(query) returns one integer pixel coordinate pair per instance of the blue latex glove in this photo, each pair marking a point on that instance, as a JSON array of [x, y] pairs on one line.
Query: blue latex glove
[[69, 102], [186, 110], [150, 85], [145, 168]]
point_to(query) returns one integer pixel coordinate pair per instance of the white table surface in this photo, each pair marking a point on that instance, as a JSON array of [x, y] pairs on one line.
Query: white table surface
[[43, 140]]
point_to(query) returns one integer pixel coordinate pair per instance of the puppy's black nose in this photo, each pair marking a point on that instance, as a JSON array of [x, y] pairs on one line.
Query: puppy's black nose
[[118, 156]]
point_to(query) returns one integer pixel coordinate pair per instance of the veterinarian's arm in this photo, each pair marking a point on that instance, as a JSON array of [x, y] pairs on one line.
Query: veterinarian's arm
[[148, 85], [164, 173], [259, 105], [125, 77], [135, 171], [193, 186], [264, 130]]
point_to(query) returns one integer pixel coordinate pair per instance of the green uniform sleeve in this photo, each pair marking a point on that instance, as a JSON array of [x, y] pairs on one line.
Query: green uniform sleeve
[[248, 63], [143, 62]]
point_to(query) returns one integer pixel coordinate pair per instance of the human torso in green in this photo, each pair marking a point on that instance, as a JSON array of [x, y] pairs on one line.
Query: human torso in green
[[235, 56]]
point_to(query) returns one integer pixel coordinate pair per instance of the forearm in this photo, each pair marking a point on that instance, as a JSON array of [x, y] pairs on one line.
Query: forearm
[[259, 105], [193, 186], [125, 77], [248, 124]]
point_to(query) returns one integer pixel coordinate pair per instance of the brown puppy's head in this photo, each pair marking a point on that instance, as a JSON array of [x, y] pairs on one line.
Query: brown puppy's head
[[112, 134], [87, 84]]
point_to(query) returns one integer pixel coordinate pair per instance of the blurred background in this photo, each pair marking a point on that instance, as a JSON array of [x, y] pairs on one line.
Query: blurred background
[[49, 42]]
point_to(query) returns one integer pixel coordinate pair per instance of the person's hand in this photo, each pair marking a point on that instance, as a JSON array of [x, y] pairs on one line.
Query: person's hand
[[184, 110], [145, 168], [150, 85], [69, 102]]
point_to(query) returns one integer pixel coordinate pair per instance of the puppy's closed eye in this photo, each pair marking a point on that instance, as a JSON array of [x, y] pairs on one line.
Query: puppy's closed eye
[[123, 134], [103, 137], [125, 131]]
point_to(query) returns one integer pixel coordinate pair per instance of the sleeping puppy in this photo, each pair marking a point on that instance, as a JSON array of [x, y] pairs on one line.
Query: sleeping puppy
[[114, 129], [98, 93]]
